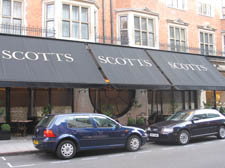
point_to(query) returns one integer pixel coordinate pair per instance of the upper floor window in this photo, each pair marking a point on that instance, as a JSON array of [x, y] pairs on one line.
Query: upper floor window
[[123, 30], [178, 4], [206, 43], [178, 40], [75, 22], [12, 15], [205, 9], [144, 31], [49, 25], [223, 9], [223, 12]]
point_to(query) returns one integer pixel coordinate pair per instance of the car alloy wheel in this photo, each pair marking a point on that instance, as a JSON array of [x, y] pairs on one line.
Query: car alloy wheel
[[66, 150], [221, 133], [183, 137], [133, 143]]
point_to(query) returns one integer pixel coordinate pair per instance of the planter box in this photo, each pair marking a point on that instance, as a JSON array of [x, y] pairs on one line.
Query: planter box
[[5, 135]]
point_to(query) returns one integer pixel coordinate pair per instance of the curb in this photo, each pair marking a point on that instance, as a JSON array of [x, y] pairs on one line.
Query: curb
[[19, 152]]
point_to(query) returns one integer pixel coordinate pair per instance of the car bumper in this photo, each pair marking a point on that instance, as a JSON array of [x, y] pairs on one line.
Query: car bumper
[[45, 144], [144, 139], [172, 137]]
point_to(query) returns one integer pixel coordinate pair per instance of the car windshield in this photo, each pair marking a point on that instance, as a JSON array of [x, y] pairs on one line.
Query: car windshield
[[182, 115]]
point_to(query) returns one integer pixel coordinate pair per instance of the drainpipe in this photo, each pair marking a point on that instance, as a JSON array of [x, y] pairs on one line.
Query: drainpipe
[[111, 13], [103, 15]]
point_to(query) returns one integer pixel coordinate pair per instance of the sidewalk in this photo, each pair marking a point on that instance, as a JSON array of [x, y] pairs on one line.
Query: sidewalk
[[17, 145]]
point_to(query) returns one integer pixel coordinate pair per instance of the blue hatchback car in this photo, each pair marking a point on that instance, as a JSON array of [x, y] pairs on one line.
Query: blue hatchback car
[[67, 134]]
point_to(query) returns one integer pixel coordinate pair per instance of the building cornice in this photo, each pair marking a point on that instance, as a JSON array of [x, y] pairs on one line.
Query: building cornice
[[177, 21], [138, 10], [207, 27]]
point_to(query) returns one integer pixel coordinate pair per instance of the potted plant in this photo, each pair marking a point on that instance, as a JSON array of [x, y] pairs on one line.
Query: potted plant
[[46, 110], [5, 132], [131, 122], [140, 122]]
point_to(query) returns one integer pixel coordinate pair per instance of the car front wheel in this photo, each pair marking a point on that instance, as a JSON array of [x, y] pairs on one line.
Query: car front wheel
[[133, 143], [183, 137], [66, 150], [221, 132]]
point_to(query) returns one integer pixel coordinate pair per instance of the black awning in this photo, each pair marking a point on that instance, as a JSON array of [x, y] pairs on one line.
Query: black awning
[[37, 62], [188, 71], [128, 67]]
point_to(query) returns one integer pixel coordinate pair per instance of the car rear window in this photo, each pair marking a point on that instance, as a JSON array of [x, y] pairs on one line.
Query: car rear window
[[45, 121]]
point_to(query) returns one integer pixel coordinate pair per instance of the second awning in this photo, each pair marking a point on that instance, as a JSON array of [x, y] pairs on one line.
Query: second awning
[[127, 67]]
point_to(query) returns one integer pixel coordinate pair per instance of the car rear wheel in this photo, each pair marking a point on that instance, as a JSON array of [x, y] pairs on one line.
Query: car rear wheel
[[221, 132], [133, 143], [66, 150], [183, 137]]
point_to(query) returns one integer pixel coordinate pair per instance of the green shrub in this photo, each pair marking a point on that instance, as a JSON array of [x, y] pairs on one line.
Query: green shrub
[[222, 110], [131, 121], [5, 127], [46, 110], [140, 121]]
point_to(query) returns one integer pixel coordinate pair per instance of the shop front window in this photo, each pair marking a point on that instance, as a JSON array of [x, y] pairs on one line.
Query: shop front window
[[61, 100], [112, 102], [19, 101], [2, 105], [41, 101]]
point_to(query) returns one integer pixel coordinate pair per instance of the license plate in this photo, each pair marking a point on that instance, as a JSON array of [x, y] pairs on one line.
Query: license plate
[[35, 142], [154, 135]]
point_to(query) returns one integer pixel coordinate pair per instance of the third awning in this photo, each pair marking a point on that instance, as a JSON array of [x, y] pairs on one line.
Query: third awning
[[188, 71]]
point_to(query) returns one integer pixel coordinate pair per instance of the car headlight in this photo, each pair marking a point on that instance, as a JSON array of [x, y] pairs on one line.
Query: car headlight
[[148, 129], [166, 130]]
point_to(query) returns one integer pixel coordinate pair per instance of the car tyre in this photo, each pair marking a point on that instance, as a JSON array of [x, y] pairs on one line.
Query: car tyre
[[183, 137], [66, 149], [133, 143], [221, 132]]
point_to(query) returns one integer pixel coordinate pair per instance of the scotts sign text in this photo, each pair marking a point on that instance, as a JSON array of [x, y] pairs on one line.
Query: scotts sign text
[[187, 67], [124, 61], [34, 56]]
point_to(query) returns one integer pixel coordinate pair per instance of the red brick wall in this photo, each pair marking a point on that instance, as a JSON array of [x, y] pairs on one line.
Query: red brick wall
[[34, 13], [34, 18]]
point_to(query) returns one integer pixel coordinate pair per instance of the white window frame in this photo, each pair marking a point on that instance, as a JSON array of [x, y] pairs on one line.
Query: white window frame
[[214, 41], [177, 6], [119, 32], [223, 44], [207, 4], [10, 27], [49, 32], [79, 21], [131, 28], [92, 9], [141, 31], [186, 36]]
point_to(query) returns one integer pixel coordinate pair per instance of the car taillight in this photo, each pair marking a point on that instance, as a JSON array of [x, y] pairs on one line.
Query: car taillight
[[49, 134]]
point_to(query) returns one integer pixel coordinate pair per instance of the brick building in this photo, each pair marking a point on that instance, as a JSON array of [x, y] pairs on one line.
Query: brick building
[[196, 26]]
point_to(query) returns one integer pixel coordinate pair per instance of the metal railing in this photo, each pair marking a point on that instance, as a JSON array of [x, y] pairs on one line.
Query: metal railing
[[26, 31]]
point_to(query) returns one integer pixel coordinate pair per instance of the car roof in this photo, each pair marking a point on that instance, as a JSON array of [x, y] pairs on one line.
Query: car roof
[[78, 114], [206, 111]]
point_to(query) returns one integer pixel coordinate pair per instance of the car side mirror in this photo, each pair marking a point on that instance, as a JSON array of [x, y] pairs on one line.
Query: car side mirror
[[117, 126], [195, 119]]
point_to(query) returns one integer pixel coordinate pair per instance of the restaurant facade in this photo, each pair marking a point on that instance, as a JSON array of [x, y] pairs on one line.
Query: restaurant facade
[[42, 76]]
